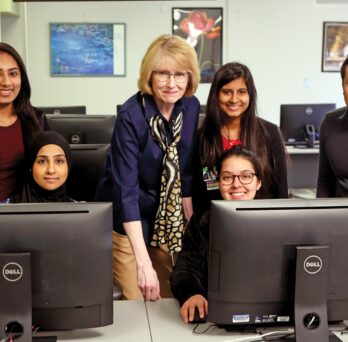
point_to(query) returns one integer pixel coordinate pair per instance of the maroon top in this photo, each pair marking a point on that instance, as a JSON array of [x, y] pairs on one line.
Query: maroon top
[[11, 157]]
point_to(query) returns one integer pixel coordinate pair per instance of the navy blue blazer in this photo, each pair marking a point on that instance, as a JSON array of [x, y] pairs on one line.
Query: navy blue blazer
[[134, 163]]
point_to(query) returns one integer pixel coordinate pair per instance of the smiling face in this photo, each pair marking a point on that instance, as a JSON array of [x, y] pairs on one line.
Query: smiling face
[[10, 80], [168, 90], [234, 98], [50, 169], [242, 167]]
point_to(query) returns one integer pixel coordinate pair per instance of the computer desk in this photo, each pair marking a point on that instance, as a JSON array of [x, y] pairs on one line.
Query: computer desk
[[166, 325], [130, 325], [302, 168], [152, 322]]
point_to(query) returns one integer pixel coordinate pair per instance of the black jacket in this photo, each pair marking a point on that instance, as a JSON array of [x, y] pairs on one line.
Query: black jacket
[[190, 273], [333, 161]]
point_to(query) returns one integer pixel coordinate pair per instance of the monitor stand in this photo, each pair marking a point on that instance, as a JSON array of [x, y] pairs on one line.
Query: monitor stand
[[310, 310], [16, 304]]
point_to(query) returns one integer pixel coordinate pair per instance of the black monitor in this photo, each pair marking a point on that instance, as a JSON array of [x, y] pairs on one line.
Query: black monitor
[[83, 129], [299, 121], [273, 260], [87, 163], [64, 110], [56, 264]]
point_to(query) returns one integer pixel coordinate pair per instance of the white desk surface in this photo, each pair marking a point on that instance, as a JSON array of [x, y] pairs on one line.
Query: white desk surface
[[298, 150], [159, 321], [130, 325], [166, 325]]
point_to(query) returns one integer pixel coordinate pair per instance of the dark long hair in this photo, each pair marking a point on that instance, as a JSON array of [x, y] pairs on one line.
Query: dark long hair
[[241, 151], [22, 106], [253, 133]]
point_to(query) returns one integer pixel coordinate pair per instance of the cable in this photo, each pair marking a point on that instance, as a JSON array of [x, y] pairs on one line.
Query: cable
[[261, 337], [195, 332]]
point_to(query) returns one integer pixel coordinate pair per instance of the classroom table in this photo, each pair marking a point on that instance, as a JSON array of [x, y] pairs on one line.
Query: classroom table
[[158, 321], [166, 325], [130, 325], [303, 165]]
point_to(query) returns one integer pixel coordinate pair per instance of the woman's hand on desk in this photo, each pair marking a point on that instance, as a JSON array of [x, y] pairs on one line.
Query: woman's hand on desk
[[148, 283], [188, 308]]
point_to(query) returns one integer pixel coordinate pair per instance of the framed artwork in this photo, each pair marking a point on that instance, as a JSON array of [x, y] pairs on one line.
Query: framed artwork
[[335, 45], [93, 49], [202, 28]]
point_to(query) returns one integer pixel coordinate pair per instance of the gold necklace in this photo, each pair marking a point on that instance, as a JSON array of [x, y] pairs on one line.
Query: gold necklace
[[230, 141]]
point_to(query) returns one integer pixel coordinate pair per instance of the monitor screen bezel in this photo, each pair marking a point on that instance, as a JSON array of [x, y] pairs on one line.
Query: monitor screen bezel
[[70, 246], [238, 227], [83, 129], [295, 117]]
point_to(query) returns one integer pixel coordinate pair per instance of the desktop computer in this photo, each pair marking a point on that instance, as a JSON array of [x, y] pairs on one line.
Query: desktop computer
[[276, 262]]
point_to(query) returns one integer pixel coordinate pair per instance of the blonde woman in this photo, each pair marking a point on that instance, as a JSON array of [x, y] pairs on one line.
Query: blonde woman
[[148, 171]]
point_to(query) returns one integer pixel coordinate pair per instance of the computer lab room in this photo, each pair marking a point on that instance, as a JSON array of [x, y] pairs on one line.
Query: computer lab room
[[173, 170]]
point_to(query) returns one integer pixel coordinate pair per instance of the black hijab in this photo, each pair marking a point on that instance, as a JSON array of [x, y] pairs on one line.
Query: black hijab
[[32, 192]]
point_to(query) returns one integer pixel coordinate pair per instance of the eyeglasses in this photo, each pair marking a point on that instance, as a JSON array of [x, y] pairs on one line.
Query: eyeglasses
[[244, 178], [179, 77]]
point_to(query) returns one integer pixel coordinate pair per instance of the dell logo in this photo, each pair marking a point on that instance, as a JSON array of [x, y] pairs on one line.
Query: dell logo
[[309, 111], [12, 271], [313, 264], [75, 139]]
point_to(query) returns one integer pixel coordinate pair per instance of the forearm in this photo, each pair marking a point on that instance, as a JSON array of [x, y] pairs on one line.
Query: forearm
[[135, 234], [187, 287], [146, 275], [189, 276]]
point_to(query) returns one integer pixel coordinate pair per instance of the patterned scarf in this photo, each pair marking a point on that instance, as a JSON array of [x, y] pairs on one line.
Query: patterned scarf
[[169, 224]]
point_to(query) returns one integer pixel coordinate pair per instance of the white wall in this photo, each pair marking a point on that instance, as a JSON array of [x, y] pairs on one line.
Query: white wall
[[144, 21], [279, 40], [13, 29]]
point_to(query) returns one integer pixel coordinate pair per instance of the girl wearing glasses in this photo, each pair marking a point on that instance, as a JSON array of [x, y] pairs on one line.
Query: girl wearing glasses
[[239, 177], [149, 168], [231, 119]]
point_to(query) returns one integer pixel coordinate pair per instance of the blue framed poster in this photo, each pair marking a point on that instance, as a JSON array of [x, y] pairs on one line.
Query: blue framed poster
[[87, 49]]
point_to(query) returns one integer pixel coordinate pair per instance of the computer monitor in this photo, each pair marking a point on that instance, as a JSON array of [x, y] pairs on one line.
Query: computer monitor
[[87, 163], [273, 260], [299, 121], [83, 129], [56, 265], [64, 110]]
